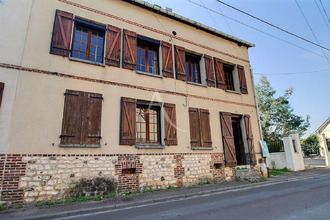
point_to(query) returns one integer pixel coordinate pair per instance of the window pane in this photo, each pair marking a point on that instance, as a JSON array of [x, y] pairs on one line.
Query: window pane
[[99, 51], [77, 36], [100, 42], [83, 47], [143, 68], [75, 54], [84, 38], [93, 40], [99, 59], [82, 56], [92, 58]]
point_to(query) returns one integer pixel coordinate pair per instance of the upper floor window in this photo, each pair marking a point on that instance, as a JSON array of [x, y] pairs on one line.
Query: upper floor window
[[229, 76], [147, 55], [88, 41], [192, 68]]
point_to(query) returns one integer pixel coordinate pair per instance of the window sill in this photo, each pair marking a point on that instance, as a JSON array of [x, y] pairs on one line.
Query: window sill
[[150, 146], [80, 145], [235, 92], [202, 148], [86, 61], [149, 74], [196, 84]]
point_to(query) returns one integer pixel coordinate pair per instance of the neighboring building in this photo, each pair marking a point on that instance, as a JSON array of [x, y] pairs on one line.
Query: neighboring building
[[119, 89], [323, 132]]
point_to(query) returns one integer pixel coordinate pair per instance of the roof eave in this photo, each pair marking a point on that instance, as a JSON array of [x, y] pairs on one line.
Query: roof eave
[[190, 22]]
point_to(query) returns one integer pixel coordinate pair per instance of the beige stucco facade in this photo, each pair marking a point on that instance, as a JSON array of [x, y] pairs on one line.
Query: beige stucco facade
[[35, 82]]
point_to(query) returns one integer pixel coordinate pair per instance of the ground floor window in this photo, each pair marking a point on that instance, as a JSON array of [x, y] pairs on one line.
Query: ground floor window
[[147, 124]]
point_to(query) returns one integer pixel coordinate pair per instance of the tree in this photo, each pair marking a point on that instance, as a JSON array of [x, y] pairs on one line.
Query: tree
[[276, 114], [311, 145]]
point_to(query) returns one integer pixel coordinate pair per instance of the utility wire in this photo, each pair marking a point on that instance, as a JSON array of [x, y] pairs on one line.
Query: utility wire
[[310, 27], [256, 29], [296, 73], [318, 7], [218, 24], [274, 26], [324, 11]]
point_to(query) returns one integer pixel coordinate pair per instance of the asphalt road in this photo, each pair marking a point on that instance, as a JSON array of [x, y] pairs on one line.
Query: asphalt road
[[302, 199]]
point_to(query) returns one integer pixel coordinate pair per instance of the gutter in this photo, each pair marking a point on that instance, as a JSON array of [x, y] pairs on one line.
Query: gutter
[[167, 13]]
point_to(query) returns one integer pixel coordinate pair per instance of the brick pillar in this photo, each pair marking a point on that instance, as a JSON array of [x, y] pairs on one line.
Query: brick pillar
[[128, 170], [217, 166], [12, 168], [179, 169]]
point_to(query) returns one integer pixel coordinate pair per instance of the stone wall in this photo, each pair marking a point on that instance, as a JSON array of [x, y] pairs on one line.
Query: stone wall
[[33, 178]]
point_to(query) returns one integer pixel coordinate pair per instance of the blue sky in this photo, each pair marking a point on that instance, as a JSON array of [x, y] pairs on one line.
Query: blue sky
[[284, 64]]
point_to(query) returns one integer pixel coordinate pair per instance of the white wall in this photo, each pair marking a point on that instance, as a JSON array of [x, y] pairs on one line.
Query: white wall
[[277, 160]]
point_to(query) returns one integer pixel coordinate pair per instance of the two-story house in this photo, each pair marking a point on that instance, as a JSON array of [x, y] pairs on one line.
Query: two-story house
[[121, 89]]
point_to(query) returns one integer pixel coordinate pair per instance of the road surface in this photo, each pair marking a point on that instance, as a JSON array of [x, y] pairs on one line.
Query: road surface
[[301, 199]]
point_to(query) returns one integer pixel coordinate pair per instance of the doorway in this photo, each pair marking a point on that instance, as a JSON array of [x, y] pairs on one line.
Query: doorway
[[238, 141]]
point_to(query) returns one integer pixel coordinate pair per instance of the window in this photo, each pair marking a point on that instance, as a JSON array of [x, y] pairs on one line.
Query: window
[[81, 126], [2, 87], [200, 131], [230, 77], [328, 143], [88, 41], [229, 70], [147, 124], [147, 55], [192, 68]]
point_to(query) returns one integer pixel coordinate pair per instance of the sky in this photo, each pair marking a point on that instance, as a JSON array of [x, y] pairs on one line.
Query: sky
[[286, 61]]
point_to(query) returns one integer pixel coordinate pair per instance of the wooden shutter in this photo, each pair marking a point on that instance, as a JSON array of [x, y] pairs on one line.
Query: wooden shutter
[[180, 60], [228, 139], [130, 47], [194, 122], [242, 79], [113, 50], [72, 118], [92, 120], [170, 124], [209, 71], [128, 121], [62, 31], [167, 60], [205, 128], [2, 87], [220, 74], [249, 135]]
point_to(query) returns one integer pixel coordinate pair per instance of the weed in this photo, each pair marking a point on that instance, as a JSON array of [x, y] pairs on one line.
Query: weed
[[2, 207], [171, 187], [237, 179], [273, 172], [148, 190], [18, 207], [111, 195]]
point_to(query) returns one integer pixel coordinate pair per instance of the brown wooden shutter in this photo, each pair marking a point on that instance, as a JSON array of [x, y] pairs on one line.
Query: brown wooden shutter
[[170, 124], [228, 139], [92, 120], [209, 71], [180, 62], [249, 135], [220, 74], [62, 31], [242, 79], [128, 121], [194, 122], [167, 60], [130, 47], [2, 87], [113, 50], [72, 118], [205, 128]]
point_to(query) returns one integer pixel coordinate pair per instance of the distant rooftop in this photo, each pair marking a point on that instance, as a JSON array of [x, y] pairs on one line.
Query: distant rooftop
[[322, 127], [168, 13]]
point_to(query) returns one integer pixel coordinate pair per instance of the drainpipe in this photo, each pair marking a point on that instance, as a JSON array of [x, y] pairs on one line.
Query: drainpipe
[[258, 116]]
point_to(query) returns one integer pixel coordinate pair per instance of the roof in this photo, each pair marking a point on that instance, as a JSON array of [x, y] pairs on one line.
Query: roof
[[170, 14], [323, 126]]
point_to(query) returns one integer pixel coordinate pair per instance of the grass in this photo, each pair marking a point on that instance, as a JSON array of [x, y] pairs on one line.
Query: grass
[[276, 172], [203, 183]]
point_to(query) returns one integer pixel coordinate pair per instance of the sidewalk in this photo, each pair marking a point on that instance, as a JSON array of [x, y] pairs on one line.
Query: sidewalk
[[70, 209]]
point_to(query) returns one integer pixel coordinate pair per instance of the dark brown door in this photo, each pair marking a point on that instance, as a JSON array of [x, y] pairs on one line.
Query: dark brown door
[[239, 147]]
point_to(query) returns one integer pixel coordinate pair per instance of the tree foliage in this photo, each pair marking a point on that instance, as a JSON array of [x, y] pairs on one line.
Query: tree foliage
[[311, 145], [276, 113]]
